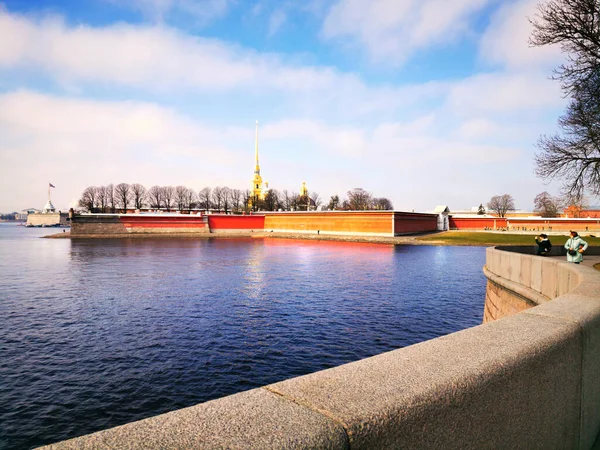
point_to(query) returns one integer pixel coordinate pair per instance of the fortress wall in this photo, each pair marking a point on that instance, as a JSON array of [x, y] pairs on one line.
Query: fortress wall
[[476, 223], [562, 224], [167, 224], [47, 219], [123, 224], [529, 380], [86, 225], [222, 222], [374, 223], [406, 223]]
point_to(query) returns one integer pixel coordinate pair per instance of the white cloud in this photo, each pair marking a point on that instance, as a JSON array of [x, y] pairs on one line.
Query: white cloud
[[77, 143], [276, 21], [506, 40], [392, 30], [503, 93], [146, 57], [201, 11]]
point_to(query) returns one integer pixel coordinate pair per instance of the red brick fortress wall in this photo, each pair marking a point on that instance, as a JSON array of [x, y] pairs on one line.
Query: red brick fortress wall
[[223, 222], [374, 223], [406, 223]]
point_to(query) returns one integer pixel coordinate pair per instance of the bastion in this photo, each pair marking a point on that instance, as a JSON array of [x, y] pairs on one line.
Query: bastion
[[526, 378]]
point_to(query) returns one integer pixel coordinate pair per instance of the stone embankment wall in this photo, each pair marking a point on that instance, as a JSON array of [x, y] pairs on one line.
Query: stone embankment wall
[[47, 219], [84, 225], [529, 380], [518, 280]]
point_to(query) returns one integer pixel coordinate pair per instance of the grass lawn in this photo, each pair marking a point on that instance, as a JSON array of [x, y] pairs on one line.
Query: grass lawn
[[483, 238]]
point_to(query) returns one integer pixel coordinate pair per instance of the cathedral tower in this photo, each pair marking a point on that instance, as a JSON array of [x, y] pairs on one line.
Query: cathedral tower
[[257, 183]]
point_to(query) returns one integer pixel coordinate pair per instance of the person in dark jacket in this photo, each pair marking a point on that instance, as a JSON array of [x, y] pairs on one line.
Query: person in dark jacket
[[543, 244]]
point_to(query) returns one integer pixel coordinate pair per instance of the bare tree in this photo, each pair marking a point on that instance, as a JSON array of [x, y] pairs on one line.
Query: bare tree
[[88, 198], [271, 201], [155, 196], [295, 201], [138, 195], [334, 203], [181, 197], [102, 195], [217, 197], [236, 199], [316, 199], [190, 199], [123, 196], [501, 204], [547, 205], [168, 196], [204, 198], [246, 197], [226, 199], [287, 199], [359, 199], [382, 204], [575, 26], [112, 199], [574, 154]]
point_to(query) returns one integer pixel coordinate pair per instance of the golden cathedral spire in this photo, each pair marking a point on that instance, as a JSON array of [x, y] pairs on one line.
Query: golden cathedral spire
[[257, 183]]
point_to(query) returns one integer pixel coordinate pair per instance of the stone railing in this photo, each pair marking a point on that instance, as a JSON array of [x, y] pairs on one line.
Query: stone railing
[[529, 380]]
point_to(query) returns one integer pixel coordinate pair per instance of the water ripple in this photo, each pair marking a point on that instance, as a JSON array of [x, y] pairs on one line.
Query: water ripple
[[103, 332]]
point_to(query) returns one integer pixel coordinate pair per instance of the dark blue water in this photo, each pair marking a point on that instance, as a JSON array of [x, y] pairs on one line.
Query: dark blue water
[[97, 333]]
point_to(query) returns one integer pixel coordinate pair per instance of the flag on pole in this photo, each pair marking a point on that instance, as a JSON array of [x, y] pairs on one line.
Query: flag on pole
[[51, 185]]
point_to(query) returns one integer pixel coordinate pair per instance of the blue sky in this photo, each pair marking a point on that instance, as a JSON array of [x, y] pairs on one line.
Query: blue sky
[[426, 102]]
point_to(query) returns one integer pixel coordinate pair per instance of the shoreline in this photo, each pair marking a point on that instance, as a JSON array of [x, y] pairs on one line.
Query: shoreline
[[436, 238], [409, 239]]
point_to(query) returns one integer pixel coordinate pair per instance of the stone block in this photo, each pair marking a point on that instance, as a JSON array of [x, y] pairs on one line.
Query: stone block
[[585, 311], [536, 274], [525, 276], [256, 419], [512, 383], [515, 266], [549, 278], [564, 274], [504, 267]]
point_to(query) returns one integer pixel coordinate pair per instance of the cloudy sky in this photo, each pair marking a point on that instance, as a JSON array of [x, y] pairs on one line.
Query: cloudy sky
[[426, 102]]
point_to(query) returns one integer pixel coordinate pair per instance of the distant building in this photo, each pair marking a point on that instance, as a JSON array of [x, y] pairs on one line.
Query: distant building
[[48, 217]]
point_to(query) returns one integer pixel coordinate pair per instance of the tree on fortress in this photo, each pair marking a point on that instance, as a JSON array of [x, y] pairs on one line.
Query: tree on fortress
[[359, 200], [123, 195], [382, 204], [88, 199], [204, 198], [155, 197], [334, 203], [574, 154], [481, 210], [138, 193], [316, 199], [272, 200], [546, 205], [501, 204]]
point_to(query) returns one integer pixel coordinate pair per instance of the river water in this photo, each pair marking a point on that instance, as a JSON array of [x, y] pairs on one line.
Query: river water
[[97, 333]]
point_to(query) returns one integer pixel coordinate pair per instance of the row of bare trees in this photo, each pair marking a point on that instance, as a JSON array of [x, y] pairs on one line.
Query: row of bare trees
[[545, 204], [123, 197], [359, 200]]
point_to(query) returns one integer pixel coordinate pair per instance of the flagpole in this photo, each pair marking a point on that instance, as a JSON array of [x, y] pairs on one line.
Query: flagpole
[[48, 191]]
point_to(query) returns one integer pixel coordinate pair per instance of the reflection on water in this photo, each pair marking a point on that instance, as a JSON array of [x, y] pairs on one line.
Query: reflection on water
[[97, 333]]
